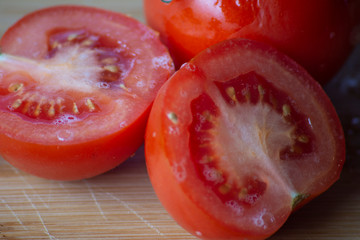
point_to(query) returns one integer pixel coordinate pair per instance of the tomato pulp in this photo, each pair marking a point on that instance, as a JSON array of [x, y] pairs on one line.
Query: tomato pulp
[[240, 137], [76, 86], [314, 33]]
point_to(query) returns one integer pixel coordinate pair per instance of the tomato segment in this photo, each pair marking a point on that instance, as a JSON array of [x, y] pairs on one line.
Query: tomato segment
[[76, 86], [238, 138], [249, 88]]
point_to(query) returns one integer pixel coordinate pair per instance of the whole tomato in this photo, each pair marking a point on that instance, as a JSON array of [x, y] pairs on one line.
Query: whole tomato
[[316, 34]]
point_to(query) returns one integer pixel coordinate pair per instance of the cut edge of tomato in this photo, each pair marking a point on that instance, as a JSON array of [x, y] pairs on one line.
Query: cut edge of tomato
[[156, 57], [174, 117], [317, 94]]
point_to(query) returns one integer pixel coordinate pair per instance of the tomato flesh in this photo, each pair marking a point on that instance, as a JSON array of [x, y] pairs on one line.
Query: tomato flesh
[[76, 86], [238, 138], [245, 89]]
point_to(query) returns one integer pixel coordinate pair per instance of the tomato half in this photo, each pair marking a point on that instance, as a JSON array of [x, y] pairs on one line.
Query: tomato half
[[76, 85], [314, 33], [240, 137]]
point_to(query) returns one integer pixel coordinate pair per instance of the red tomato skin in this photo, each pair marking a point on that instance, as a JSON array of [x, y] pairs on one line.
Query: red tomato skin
[[185, 208], [314, 33], [90, 154], [68, 162]]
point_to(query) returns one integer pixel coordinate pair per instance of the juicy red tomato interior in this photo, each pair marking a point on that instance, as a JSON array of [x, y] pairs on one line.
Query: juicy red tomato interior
[[242, 136], [76, 86], [249, 88], [22, 90]]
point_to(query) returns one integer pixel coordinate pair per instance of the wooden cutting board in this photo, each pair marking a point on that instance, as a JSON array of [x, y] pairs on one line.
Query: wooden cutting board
[[121, 204]]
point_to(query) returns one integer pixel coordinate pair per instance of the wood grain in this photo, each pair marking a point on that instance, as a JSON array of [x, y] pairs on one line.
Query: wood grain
[[121, 204]]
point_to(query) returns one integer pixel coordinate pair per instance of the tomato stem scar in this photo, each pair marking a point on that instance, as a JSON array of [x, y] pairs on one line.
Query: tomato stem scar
[[298, 199]]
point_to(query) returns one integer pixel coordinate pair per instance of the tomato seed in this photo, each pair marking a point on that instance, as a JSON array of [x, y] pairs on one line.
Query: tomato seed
[[55, 44], [261, 92], [16, 104], [224, 189], [51, 111], [286, 110], [87, 43], [122, 86], [59, 102], [296, 149], [14, 87], [108, 61], [72, 37], [243, 193], [111, 68], [75, 109], [245, 92], [90, 105], [303, 139], [206, 159], [38, 108], [230, 91]]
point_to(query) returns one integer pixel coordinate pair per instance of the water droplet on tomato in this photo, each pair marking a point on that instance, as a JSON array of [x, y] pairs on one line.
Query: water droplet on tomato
[[11, 108], [212, 175], [235, 207], [183, 65], [191, 67], [174, 130], [123, 124], [263, 218], [104, 85], [65, 119], [179, 171], [161, 62], [140, 84], [64, 135]]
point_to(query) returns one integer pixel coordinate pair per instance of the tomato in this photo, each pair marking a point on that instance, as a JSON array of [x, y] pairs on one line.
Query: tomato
[[76, 86], [314, 33], [239, 138]]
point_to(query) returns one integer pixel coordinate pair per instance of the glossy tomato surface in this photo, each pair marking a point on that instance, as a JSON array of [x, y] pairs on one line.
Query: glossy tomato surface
[[76, 85], [314, 33], [239, 138]]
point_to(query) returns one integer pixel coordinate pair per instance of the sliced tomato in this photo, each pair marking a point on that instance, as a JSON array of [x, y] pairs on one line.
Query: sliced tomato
[[239, 138], [76, 85]]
